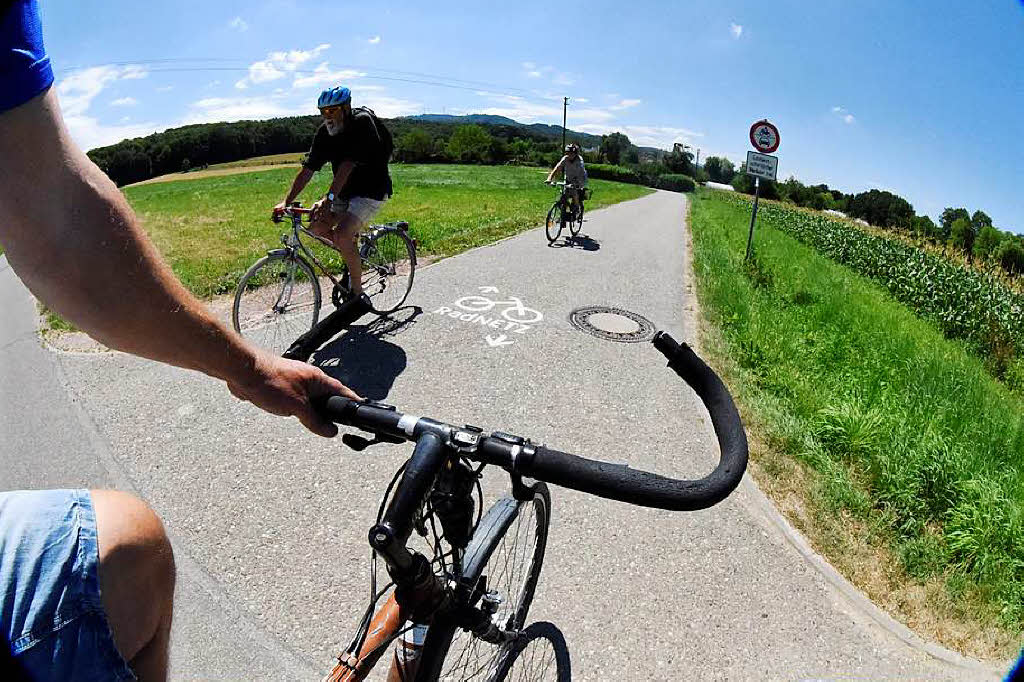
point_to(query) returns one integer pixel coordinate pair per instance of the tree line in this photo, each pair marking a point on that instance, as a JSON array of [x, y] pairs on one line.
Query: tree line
[[971, 235], [416, 141]]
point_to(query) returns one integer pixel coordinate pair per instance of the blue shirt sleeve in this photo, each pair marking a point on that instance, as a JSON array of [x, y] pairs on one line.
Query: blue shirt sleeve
[[24, 66]]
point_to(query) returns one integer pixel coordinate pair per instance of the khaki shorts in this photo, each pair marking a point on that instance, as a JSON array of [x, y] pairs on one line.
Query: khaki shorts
[[360, 207]]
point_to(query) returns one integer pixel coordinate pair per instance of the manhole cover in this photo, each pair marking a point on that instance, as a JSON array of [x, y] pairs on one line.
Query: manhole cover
[[612, 324]]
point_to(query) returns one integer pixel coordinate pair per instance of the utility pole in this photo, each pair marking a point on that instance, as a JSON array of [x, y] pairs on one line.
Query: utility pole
[[565, 107], [697, 167]]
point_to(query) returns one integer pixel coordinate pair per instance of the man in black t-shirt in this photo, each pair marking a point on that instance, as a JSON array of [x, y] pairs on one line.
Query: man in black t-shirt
[[359, 148]]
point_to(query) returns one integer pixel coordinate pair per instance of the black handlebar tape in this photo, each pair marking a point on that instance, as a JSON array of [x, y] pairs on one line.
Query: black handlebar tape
[[347, 313], [635, 486]]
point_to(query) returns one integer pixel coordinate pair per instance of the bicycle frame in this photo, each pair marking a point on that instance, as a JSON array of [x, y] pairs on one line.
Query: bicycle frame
[[294, 243], [420, 594]]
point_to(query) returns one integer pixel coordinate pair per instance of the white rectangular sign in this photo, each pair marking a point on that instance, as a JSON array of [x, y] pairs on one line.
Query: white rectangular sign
[[762, 165]]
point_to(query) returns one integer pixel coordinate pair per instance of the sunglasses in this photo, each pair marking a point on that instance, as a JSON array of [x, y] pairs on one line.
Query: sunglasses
[[331, 111]]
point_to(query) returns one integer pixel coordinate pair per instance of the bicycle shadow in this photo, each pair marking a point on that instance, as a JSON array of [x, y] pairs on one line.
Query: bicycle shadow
[[581, 241], [363, 359]]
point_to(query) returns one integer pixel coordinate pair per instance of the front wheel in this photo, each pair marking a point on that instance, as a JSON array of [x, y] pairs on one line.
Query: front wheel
[[277, 300], [554, 223], [577, 224], [501, 566], [539, 654]]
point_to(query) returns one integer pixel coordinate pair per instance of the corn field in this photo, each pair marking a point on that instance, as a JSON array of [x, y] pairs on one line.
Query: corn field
[[963, 303]]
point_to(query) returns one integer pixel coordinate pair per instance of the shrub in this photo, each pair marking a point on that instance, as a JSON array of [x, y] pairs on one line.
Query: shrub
[[604, 171], [676, 182]]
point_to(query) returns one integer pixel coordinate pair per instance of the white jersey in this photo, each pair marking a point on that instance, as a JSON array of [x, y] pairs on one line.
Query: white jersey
[[575, 172]]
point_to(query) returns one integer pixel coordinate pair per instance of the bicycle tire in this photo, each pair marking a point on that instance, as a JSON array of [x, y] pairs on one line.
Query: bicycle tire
[[258, 312], [577, 225], [448, 649], [389, 266], [555, 221], [531, 658]]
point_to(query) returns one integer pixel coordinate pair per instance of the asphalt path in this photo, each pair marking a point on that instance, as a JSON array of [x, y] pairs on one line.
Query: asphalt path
[[269, 522]]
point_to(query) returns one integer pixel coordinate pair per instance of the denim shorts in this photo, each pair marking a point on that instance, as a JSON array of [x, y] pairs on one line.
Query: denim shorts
[[51, 614]]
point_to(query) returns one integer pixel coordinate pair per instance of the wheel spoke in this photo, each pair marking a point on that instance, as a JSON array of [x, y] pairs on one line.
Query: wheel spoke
[[276, 301]]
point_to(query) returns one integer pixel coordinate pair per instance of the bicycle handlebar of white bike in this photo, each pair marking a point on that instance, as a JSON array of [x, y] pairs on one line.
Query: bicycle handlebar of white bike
[[613, 481]]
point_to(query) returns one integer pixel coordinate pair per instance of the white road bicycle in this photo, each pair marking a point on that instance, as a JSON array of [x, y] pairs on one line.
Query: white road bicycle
[[514, 310]]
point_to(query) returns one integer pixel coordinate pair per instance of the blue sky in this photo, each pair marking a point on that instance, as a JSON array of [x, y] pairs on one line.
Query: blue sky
[[921, 98]]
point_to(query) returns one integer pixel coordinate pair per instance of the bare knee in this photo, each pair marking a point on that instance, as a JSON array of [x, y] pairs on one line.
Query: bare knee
[[137, 571]]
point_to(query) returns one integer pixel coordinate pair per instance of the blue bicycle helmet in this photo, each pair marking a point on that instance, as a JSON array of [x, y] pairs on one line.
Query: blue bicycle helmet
[[332, 97]]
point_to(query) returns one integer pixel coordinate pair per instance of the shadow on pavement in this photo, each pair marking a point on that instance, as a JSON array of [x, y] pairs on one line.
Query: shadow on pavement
[[363, 359], [580, 241]]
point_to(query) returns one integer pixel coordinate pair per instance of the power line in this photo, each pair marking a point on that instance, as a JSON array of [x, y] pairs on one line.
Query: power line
[[402, 76]]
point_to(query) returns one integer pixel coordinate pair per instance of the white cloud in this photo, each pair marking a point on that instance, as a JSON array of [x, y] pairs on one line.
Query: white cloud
[[736, 30], [238, 23], [625, 104], [661, 137], [89, 133], [78, 90], [533, 70], [846, 116], [322, 76], [389, 107], [76, 94], [124, 102], [165, 88], [213, 109], [277, 65], [581, 100], [374, 40]]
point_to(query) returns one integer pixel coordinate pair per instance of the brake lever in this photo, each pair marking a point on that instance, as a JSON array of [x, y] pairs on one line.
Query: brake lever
[[359, 443]]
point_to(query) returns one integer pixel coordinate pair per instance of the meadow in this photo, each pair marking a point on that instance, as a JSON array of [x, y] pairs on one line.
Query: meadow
[[211, 229], [890, 445]]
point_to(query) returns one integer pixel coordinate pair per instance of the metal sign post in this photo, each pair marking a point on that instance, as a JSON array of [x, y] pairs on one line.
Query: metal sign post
[[753, 216], [764, 137]]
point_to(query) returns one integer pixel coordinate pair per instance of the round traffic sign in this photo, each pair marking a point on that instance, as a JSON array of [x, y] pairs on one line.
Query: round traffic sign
[[764, 136]]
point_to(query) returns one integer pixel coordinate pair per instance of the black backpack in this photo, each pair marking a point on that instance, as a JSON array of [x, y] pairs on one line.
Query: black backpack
[[382, 131]]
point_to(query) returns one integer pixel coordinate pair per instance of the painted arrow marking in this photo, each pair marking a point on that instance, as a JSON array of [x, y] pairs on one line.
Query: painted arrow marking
[[488, 290], [499, 340]]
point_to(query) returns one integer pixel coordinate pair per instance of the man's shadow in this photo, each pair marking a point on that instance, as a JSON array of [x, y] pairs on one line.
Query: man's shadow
[[363, 359], [580, 241]]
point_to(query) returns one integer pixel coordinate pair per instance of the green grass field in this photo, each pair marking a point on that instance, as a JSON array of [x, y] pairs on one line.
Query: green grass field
[[211, 229], [908, 444]]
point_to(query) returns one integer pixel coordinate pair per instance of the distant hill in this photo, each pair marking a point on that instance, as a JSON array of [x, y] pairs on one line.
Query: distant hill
[[544, 130], [541, 129]]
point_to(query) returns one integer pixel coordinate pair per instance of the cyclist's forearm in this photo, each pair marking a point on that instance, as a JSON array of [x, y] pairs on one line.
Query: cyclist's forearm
[[298, 184], [74, 241]]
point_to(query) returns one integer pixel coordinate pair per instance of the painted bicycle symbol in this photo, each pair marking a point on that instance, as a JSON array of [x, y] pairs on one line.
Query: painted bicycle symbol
[[513, 311]]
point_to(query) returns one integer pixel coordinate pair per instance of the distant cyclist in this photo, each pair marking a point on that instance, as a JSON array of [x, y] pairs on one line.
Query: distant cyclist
[[575, 173], [359, 147]]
